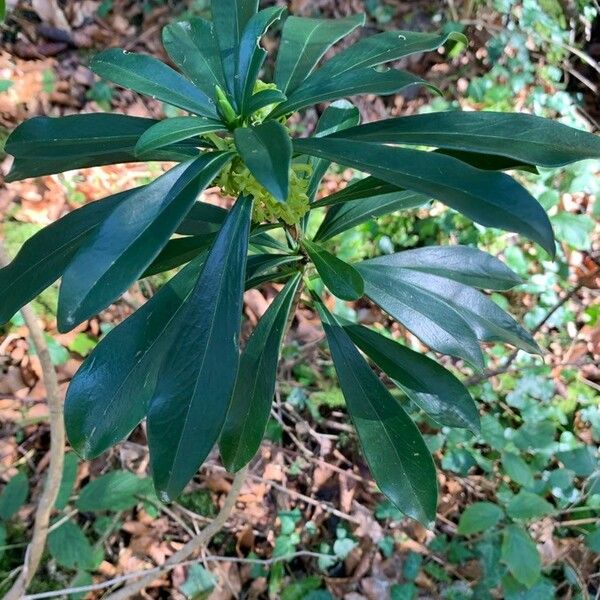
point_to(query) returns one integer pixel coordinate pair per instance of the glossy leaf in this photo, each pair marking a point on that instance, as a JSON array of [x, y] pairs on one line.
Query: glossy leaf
[[436, 322], [463, 264], [193, 47], [178, 251], [43, 145], [202, 218], [520, 554], [394, 449], [251, 55], [343, 280], [350, 213], [130, 238], [490, 198], [197, 378], [267, 151], [147, 75], [425, 382], [485, 318], [304, 42], [352, 83], [229, 20], [524, 138], [43, 258], [107, 396], [255, 386], [176, 129]]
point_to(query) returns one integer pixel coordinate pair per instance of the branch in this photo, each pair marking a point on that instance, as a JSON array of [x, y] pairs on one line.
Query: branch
[[203, 538], [33, 554]]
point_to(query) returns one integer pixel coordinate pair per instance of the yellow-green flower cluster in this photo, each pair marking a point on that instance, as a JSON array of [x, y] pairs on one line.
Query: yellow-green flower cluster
[[236, 180]]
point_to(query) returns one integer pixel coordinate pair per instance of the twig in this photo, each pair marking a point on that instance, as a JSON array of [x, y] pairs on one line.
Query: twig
[[34, 552], [165, 568], [147, 577], [477, 379]]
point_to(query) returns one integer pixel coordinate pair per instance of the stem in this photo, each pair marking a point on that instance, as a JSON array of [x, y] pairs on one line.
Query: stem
[[33, 554], [194, 544]]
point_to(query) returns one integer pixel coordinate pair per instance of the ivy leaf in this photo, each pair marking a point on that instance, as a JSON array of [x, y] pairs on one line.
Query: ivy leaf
[[342, 279], [255, 385], [521, 555], [479, 516], [196, 380], [394, 449]]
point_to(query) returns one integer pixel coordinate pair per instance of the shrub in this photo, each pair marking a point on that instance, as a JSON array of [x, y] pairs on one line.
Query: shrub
[[176, 361]]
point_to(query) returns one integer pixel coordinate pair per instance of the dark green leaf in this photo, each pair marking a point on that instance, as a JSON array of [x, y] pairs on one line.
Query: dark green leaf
[[490, 198], [176, 129], [526, 506], [13, 496], [520, 553], [69, 547], [525, 138], [267, 151], [395, 451], [177, 252], [592, 540], [43, 146], [304, 42], [352, 83], [2, 540], [369, 187], [255, 386], [229, 20], [478, 517], [119, 251], [342, 279], [464, 264], [351, 213], [252, 56], [203, 218], [71, 462], [429, 385], [114, 491], [193, 48], [107, 397], [436, 322], [44, 257], [197, 378], [148, 75], [485, 318], [263, 99]]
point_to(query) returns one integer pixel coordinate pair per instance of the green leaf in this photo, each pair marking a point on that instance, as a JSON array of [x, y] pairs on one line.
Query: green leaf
[[43, 145], [107, 396], [582, 460], [69, 547], [114, 491], [394, 449], [69, 475], [199, 582], [485, 318], [490, 198], [195, 383], [520, 554], [438, 323], [176, 129], [463, 264], [229, 20], [264, 98], [478, 517], [575, 230], [203, 218], [592, 540], [425, 382], [526, 506], [192, 46], [129, 239], [148, 75], [267, 151], [252, 56], [525, 138], [342, 279], [347, 211], [2, 539], [255, 386], [177, 252], [304, 42], [13, 496], [517, 469], [352, 83]]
